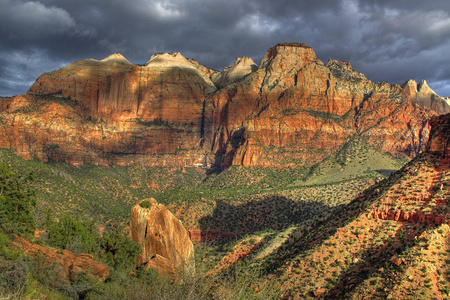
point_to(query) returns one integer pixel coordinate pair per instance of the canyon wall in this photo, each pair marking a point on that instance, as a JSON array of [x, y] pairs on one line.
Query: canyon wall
[[290, 110], [440, 135]]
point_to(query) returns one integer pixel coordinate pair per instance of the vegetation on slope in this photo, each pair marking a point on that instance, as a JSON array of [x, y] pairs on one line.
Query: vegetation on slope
[[355, 159], [17, 201], [319, 240]]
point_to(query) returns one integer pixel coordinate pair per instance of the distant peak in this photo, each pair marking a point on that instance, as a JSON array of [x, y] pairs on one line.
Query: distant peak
[[166, 59], [299, 45], [241, 67], [342, 64], [242, 61], [423, 88], [116, 57], [300, 52], [411, 82], [423, 84]]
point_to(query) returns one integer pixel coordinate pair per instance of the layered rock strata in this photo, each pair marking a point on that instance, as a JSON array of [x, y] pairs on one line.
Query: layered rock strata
[[290, 110], [165, 242]]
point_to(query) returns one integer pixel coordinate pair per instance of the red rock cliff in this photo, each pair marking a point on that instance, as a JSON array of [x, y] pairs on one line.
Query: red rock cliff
[[295, 104], [440, 135], [290, 110]]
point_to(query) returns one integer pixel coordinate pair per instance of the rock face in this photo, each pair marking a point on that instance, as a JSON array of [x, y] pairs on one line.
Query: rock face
[[165, 243], [440, 135], [408, 216], [69, 264], [172, 111], [295, 104]]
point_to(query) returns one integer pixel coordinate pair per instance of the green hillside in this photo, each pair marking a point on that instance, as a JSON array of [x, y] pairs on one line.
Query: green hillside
[[356, 159]]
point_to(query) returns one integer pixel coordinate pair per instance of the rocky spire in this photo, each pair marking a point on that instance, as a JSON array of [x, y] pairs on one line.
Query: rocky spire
[[165, 243]]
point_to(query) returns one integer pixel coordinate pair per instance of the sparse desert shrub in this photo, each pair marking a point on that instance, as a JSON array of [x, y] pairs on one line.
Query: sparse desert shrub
[[48, 273], [13, 279], [145, 204]]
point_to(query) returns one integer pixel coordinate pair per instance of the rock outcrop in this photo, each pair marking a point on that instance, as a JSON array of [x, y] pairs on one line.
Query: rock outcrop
[[69, 264], [172, 111], [409, 216], [165, 243], [440, 135]]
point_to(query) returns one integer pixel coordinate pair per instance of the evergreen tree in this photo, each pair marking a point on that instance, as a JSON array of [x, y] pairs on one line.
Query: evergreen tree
[[17, 201]]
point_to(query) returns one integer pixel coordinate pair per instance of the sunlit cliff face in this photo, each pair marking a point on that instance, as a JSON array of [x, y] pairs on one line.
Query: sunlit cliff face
[[291, 110], [164, 241]]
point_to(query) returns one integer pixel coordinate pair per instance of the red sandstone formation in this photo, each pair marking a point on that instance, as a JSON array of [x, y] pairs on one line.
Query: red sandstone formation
[[70, 264], [408, 216], [440, 135], [165, 242], [294, 103], [172, 111]]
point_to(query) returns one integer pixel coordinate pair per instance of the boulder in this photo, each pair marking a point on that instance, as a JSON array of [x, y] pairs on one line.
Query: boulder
[[165, 242]]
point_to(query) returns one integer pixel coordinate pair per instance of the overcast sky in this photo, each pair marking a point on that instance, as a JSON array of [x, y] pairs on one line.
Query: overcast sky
[[387, 40]]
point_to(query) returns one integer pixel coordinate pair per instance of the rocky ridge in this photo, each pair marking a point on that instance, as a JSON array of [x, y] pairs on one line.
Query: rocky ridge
[[172, 111], [391, 242]]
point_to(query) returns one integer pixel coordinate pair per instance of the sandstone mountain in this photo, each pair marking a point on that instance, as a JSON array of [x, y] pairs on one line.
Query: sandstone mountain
[[173, 111], [165, 242]]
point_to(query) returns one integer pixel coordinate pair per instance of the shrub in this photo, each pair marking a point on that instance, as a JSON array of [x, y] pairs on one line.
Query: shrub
[[145, 204], [17, 201], [76, 235], [13, 280], [118, 251], [48, 273]]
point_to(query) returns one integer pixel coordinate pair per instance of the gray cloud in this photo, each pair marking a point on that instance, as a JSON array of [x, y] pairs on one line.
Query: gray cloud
[[386, 40]]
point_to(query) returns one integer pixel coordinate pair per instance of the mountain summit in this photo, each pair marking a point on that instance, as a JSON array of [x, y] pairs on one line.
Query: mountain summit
[[173, 111]]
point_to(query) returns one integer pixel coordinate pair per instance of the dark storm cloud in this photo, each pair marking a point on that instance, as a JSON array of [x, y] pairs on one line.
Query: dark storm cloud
[[386, 40]]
